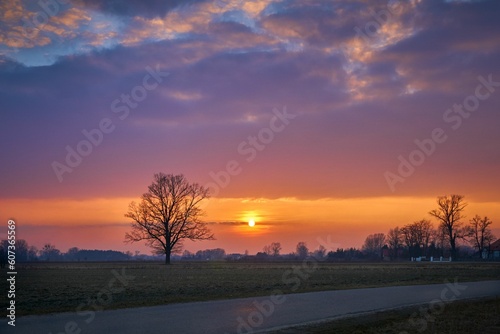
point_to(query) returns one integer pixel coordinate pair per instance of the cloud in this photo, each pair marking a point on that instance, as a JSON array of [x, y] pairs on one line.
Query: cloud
[[133, 8], [225, 78], [185, 96], [243, 223], [231, 223]]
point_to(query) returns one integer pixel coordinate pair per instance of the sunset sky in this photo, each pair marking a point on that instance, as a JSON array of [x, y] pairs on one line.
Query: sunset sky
[[320, 120]]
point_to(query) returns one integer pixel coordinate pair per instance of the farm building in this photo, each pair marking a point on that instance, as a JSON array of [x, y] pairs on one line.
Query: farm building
[[495, 250]]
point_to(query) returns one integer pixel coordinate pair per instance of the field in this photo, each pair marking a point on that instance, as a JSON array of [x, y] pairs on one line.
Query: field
[[57, 287]]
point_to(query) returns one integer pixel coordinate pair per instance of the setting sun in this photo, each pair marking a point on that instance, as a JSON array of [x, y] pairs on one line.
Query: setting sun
[[251, 223]]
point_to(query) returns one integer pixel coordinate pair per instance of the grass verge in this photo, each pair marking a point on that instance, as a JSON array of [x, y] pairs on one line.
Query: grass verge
[[472, 316]]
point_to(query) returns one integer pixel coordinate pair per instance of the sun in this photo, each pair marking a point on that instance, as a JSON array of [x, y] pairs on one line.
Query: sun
[[251, 223]]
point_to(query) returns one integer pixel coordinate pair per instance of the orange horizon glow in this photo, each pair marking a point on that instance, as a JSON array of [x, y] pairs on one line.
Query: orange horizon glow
[[99, 223]]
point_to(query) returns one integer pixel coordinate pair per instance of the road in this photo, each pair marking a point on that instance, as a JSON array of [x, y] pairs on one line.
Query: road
[[251, 315]]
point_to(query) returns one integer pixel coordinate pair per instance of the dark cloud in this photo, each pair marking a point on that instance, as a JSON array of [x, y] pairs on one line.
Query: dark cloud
[[149, 8]]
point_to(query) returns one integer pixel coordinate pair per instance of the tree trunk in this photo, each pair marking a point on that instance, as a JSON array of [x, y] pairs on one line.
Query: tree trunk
[[453, 249], [167, 256]]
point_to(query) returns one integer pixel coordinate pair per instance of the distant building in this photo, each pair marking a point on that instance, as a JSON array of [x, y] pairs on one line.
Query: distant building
[[495, 250], [386, 253], [233, 257]]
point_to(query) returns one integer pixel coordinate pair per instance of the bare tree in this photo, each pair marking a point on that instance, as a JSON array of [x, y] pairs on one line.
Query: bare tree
[[50, 252], [211, 254], [374, 243], [273, 249], [302, 250], [409, 239], [479, 233], [449, 213], [418, 236], [440, 239], [320, 252], [21, 250], [72, 254], [426, 232], [32, 253], [276, 248], [167, 214], [267, 249], [394, 240]]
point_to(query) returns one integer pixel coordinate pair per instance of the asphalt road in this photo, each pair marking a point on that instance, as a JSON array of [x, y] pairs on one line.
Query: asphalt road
[[251, 315]]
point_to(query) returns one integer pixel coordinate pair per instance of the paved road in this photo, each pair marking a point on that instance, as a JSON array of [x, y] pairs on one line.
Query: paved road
[[251, 315]]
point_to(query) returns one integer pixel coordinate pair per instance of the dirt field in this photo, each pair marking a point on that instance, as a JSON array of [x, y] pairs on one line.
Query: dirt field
[[56, 287]]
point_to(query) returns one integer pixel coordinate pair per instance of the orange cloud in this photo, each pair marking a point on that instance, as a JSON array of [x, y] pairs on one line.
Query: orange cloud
[[27, 29]]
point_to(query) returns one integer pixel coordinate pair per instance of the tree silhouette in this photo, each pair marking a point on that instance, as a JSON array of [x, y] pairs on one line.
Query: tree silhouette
[[273, 249], [374, 243], [49, 252], [320, 252], [276, 248], [417, 237], [167, 214], [479, 233], [21, 250], [395, 241], [449, 213], [302, 250]]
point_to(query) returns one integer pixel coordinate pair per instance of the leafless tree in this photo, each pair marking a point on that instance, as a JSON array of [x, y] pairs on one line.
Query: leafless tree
[[273, 249], [320, 252], [449, 214], [479, 233], [440, 239], [394, 240], [276, 248], [374, 243], [22, 248], [72, 254], [49, 252], [32, 253], [302, 250], [418, 236], [409, 238], [167, 214], [426, 232], [211, 254]]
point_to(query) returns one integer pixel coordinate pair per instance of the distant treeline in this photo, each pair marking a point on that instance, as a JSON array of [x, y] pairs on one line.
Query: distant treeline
[[271, 253], [49, 253], [96, 255]]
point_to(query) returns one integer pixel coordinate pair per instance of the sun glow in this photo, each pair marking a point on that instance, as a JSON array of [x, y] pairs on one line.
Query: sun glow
[[251, 222]]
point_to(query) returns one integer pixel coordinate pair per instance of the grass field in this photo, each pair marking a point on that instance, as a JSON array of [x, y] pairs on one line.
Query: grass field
[[56, 287], [465, 317]]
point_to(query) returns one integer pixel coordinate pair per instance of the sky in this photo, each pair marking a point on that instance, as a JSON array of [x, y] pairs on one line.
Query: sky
[[324, 121]]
